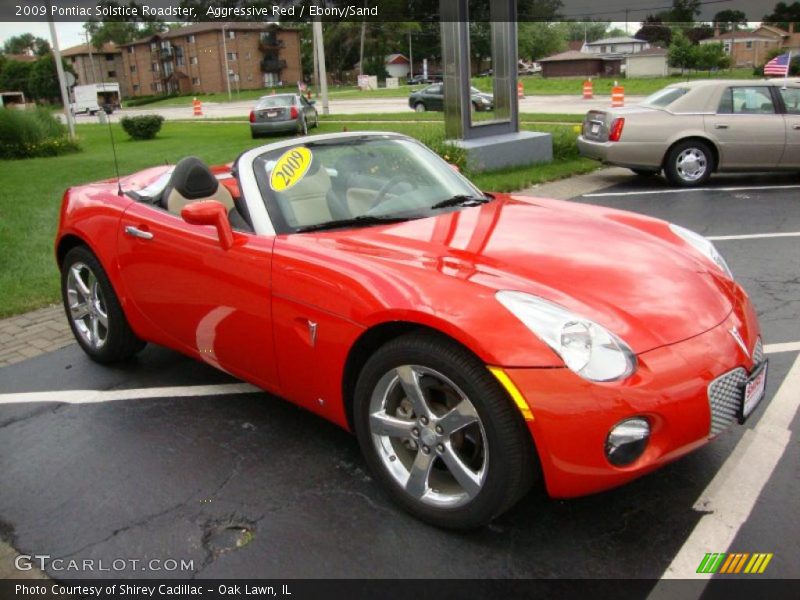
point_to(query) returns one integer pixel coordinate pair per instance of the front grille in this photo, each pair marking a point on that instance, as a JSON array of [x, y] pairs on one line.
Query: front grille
[[725, 393], [758, 352], [725, 398]]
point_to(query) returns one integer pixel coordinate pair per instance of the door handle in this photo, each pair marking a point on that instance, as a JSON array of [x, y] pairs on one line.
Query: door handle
[[721, 126], [133, 231]]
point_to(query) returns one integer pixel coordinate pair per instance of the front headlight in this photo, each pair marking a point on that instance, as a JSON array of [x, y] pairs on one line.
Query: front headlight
[[702, 245], [586, 348]]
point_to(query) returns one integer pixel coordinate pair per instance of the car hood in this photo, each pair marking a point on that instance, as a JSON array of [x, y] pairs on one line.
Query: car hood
[[626, 272]]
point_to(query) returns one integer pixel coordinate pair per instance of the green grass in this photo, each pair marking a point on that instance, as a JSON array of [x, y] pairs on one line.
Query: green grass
[[31, 195], [410, 117]]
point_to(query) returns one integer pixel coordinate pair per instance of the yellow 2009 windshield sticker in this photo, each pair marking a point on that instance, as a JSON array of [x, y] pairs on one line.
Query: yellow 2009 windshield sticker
[[290, 168]]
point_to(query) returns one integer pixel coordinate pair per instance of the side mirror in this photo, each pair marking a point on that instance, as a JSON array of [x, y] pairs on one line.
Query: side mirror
[[210, 212]]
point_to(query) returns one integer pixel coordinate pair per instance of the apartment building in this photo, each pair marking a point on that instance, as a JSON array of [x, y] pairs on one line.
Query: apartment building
[[103, 65], [193, 59]]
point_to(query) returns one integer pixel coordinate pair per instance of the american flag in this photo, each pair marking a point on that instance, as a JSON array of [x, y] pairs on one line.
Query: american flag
[[778, 65]]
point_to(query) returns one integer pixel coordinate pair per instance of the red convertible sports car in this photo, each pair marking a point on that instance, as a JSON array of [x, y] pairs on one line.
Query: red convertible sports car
[[477, 344]]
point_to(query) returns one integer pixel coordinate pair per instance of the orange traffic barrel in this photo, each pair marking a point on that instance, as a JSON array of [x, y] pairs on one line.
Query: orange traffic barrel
[[588, 90], [520, 90], [197, 108], [617, 96]]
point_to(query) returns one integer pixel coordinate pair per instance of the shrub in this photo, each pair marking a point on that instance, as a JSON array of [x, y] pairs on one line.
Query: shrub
[[32, 133], [142, 128]]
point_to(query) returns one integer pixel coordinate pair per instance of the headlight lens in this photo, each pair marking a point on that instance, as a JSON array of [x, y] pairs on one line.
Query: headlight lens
[[586, 348], [702, 245]]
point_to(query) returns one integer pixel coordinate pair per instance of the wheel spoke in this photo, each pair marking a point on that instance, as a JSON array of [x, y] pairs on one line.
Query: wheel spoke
[[417, 484], [409, 379], [95, 325], [459, 417], [79, 311], [103, 319], [466, 477], [80, 284], [383, 424]]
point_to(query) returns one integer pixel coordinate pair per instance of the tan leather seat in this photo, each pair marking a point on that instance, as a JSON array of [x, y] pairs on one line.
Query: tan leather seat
[[193, 181], [306, 203]]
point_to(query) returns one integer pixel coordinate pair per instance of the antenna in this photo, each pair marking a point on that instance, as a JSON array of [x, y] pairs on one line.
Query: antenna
[[110, 131]]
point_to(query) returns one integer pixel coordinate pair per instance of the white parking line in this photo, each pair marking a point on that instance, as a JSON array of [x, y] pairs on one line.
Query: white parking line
[[687, 190], [95, 396], [782, 347], [730, 497], [752, 236]]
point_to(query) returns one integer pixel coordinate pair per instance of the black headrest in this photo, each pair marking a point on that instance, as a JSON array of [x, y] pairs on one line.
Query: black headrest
[[193, 179]]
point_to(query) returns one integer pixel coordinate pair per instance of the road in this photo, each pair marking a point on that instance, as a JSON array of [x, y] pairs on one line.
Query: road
[[533, 104], [172, 459]]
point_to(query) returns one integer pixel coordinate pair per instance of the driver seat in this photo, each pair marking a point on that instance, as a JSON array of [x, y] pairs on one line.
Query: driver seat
[[193, 181]]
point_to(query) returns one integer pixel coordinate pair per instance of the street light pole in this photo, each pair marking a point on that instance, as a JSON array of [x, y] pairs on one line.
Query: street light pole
[[227, 72], [62, 84], [323, 77]]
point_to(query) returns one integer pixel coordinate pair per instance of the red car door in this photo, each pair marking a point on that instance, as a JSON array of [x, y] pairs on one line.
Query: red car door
[[191, 294]]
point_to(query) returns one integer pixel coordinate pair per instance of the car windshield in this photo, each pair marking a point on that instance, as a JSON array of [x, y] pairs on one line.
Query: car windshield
[[354, 181], [665, 97], [274, 101]]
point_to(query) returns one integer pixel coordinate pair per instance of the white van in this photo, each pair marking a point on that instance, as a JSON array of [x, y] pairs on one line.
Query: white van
[[90, 99]]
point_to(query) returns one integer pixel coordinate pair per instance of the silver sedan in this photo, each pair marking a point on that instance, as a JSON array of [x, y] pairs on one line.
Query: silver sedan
[[691, 130]]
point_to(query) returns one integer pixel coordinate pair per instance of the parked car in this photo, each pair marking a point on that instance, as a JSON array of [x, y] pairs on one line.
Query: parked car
[[477, 344], [432, 98], [691, 130], [283, 113]]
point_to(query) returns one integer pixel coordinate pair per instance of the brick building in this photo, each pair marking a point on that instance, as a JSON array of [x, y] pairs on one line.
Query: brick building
[[98, 66], [192, 59]]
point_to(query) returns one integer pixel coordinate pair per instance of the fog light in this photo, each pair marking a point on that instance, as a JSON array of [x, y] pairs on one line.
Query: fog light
[[627, 440]]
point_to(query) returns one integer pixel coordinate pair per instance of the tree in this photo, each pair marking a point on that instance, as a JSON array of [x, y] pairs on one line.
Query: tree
[[783, 14], [681, 52], [26, 43], [654, 31], [122, 32], [729, 20], [702, 32], [578, 31], [538, 39], [43, 78], [682, 11], [14, 77], [707, 57]]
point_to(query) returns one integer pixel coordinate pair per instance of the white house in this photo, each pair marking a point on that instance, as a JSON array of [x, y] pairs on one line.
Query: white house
[[647, 63], [616, 45], [397, 65]]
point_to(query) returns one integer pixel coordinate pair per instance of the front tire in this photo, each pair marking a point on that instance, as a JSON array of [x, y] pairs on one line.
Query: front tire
[[440, 433], [93, 309], [689, 163], [419, 107]]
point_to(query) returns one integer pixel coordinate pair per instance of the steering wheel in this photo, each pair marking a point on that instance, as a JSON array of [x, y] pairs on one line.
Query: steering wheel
[[388, 186]]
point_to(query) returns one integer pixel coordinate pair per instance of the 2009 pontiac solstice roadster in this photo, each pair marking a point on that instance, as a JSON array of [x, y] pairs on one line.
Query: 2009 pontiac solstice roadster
[[476, 343]]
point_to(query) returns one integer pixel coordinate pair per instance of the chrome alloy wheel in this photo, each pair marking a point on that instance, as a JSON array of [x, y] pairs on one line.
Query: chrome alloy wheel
[[691, 164], [87, 306], [429, 436]]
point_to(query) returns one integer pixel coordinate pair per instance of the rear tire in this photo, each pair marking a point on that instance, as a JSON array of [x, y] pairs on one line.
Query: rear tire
[[689, 163], [419, 107], [93, 309], [456, 473]]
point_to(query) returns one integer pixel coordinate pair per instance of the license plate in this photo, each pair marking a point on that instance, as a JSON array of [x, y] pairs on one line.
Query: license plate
[[595, 127], [754, 390], [271, 113]]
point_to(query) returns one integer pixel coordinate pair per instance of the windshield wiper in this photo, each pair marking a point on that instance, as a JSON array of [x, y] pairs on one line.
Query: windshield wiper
[[357, 221], [461, 200]]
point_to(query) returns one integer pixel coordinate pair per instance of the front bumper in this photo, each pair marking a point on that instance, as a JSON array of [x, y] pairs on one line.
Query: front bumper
[[572, 416]]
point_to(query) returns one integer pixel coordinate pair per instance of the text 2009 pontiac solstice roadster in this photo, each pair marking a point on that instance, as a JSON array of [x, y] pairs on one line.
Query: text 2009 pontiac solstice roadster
[[477, 344]]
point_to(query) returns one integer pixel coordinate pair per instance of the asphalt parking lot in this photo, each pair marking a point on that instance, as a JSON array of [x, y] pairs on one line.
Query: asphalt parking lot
[[170, 459]]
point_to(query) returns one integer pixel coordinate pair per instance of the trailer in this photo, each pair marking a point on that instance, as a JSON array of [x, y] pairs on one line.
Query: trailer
[[91, 98]]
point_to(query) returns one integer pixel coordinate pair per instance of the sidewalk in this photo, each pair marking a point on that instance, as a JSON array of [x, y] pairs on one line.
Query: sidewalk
[[31, 334]]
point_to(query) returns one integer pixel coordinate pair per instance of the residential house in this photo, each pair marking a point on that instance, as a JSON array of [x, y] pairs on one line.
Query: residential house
[[615, 46], [580, 64], [751, 48], [647, 63], [194, 59], [397, 65], [103, 65]]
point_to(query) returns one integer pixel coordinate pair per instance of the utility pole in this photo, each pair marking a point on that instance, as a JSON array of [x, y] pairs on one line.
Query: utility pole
[[60, 70], [323, 77], [410, 57], [91, 59], [314, 61], [227, 72]]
